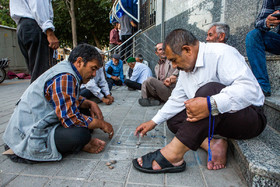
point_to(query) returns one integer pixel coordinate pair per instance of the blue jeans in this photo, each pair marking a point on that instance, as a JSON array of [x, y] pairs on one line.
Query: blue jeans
[[257, 42]]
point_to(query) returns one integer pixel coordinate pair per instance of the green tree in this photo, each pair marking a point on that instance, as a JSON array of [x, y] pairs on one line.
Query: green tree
[[92, 19], [5, 18]]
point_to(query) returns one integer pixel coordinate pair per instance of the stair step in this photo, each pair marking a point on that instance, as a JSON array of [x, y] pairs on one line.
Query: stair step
[[272, 111], [259, 158]]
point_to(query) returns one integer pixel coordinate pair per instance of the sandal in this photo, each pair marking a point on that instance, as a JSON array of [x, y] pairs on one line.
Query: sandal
[[166, 166]]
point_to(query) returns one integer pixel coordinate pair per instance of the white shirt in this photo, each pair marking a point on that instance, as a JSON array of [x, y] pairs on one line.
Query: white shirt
[[39, 10], [140, 73], [98, 84], [221, 63]]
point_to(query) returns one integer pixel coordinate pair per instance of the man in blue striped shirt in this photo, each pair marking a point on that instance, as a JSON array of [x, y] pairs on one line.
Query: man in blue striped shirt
[[261, 39]]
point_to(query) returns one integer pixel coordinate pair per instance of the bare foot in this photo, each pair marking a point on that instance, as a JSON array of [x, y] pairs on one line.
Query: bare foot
[[95, 145], [156, 166], [219, 154]]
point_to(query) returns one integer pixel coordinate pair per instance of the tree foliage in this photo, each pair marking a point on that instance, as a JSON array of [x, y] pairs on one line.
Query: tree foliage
[[92, 18], [5, 18]]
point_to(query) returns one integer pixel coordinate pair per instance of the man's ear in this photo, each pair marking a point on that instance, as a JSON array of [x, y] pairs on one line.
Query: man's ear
[[187, 48], [79, 62], [222, 37]]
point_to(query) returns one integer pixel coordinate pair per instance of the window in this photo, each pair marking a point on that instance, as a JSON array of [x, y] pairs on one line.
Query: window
[[147, 13]]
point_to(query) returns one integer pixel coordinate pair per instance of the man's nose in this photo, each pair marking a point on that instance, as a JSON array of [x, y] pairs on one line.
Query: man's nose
[[174, 66]]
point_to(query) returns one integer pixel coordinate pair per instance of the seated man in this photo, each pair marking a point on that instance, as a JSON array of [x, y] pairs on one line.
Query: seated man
[[214, 82], [261, 39], [218, 32], [140, 73], [114, 71], [159, 89], [98, 88], [48, 121]]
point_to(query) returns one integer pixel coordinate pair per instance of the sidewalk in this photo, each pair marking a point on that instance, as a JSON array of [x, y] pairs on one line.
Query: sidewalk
[[85, 169]]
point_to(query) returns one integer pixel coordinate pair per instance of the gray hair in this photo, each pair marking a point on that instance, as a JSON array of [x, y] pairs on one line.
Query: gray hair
[[139, 56], [222, 28]]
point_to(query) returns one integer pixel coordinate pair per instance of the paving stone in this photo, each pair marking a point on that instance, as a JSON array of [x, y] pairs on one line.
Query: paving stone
[[21, 181], [119, 154], [144, 178], [6, 178], [102, 184], [76, 168], [48, 169], [64, 183], [7, 166], [118, 174]]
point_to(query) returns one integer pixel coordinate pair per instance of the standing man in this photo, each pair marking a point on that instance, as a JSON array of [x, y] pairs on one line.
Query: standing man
[[51, 118], [35, 31], [114, 71], [261, 39], [126, 32], [215, 82], [155, 90], [114, 36], [218, 32], [139, 74]]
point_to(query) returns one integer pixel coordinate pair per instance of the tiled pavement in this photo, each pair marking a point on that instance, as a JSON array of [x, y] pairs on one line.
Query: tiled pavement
[[85, 169]]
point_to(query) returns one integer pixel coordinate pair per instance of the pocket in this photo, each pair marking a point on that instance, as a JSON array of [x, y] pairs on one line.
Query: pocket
[[38, 140]]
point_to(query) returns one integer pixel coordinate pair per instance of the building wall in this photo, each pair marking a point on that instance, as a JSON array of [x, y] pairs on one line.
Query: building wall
[[9, 49], [197, 15]]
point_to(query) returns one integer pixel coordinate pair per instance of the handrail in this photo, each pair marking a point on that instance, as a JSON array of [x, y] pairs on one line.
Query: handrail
[[118, 46]]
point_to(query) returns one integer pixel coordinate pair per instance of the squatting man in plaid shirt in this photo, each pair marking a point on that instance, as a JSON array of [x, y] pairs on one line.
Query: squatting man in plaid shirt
[[51, 118]]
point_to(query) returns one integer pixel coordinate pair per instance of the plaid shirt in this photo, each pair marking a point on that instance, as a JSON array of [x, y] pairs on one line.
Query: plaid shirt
[[268, 7], [61, 92]]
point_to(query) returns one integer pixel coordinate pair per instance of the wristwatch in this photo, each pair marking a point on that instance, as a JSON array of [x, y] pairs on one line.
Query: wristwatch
[[214, 107]]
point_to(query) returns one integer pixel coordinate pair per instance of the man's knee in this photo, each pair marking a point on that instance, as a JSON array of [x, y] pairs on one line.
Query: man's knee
[[252, 36], [209, 89], [110, 70]]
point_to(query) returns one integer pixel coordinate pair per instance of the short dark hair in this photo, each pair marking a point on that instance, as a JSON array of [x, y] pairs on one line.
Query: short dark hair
[[177, 38], [87, 52]]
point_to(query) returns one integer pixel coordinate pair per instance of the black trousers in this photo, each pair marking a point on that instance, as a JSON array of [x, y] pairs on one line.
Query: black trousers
[[34, 46], [244, 124], [72, 139], [110, 81], [132, 84], [126, 48]]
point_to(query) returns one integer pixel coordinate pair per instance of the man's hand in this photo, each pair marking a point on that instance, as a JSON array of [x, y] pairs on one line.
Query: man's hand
[[115, 78], [144, 128], [197, 109], [111, 98], [167, 82], [103, 125], [95, 110], [170, 80], [52, 39], [272, 21], [106, 101]]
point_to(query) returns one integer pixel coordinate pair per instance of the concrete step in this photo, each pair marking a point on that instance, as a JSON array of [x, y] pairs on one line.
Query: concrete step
[[272, 111], [259, 158], [273, 69]]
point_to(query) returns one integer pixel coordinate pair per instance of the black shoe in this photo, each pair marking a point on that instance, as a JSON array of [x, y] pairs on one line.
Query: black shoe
[[148, 102], [130, 89]]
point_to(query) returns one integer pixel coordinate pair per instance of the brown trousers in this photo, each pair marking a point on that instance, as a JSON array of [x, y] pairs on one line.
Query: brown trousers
[[244, 124], [155, 88]]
